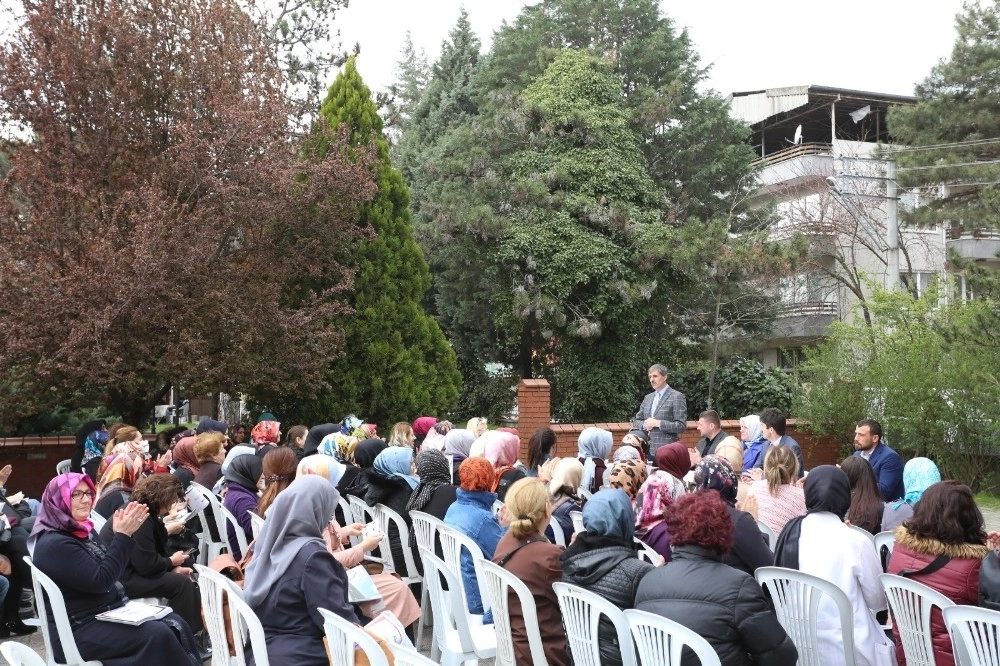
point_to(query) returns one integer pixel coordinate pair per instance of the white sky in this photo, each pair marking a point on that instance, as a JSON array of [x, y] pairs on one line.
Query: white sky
[[877, 46]]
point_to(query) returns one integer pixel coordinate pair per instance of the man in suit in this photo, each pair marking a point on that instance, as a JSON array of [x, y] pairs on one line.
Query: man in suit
[[772, 425], [663, 413], [887, 464]]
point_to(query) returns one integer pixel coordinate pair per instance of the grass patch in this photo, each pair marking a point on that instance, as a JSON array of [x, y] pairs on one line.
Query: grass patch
[[988, 501]]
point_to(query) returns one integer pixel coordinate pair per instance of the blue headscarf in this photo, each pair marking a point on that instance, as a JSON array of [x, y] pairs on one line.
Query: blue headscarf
[[609, 513], [396, 461], [919, 474], [93, 447]]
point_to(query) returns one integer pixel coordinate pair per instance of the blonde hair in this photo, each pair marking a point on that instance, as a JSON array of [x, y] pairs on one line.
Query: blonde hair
[[125, 433], [528, 503], [780, 467], [732, 450], [207, 445], [477, 426], [400, 435]]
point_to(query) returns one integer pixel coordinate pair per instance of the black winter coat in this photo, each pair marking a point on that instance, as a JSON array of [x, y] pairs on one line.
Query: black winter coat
[[719, 602], [749, 551], [394, 493], [608, 567]]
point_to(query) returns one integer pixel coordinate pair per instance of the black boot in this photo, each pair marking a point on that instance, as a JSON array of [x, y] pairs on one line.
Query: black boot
[[17, 627], [204, 644]]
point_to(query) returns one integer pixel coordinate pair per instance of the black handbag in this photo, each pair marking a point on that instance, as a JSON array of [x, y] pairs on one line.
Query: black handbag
[[989, 582]]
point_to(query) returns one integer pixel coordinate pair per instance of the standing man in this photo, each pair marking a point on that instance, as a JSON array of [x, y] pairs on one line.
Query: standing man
[[887, 464], [772, 425], [663, 413], [710, 427]]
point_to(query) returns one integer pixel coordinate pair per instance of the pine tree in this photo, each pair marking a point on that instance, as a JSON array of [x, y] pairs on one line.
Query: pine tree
[[412, 74], [398, 363]]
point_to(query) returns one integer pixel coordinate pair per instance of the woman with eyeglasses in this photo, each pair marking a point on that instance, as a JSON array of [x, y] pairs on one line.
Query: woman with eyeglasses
[[88, 573]]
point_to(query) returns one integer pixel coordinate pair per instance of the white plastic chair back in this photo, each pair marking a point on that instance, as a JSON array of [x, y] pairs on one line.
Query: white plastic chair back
[[911, 603], [452, 543], [63, 466], [975, 635], [241, 536], [458, 638], [214, 587], [384, 516], [209, 549], [407, 656], [425, 528], [497, 505], [362, 512], [660, 641], [885, 540], [772, 538], [584, 493], [498, 583], [246, 625], [796, 598], [19, 654], [647, 553], [581, 613], [49, 600], [98, 520], [345, 508], [577, 518], [342, 636], [871, 537], [256, 523], [558, 537]]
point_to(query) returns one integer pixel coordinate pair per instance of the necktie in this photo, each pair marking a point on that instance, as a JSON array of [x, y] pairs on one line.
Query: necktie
[[656, 403]]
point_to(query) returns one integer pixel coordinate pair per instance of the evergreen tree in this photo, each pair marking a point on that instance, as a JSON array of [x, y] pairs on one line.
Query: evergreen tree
[[398, 363], [412, 73]]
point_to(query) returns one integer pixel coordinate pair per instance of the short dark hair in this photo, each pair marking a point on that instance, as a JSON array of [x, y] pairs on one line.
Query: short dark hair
[[773, 418], [711, 416], [947, 512], [874, 427], [701, 519], [157, 491]]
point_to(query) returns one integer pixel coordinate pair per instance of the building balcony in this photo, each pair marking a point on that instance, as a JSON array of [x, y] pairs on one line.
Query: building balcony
[[974, 244], [809, 320], [794, 166]]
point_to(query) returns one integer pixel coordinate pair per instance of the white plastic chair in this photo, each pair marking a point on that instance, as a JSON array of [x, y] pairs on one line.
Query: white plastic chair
[[558, 537], [210, 549], [246, 625], [98, 520], [345, 508], [63, 466], [384, 517], [581, 613], [647, 553], [498, 583], [256, 524], [425, 529], [241, 537], [497, 505], [577, 518], [214, 587], [407, 656], [584, 493], [19, 654], [772, 538], [660, 641], [452, 543], [885, 540], [911, 603], [796, 598], [459, 637], [975, 635], [361, 512], [48, 598], [342, 636], [871, 537]]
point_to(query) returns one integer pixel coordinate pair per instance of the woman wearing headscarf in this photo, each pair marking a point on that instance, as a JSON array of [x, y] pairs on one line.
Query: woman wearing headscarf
[[603, 560], [316, 435], [673, 459], [628, 475], [293, 574], [919, 474], [265, 435], [243, 480], [477, 426], [656, 495], [392, 483], [501, 450], [434, 494], [366, 451], [595, 448], [564, 496], [421, 427], [724, 605], [396, 595], [754, 443], [341, 447], [66, 549], [820, 544], [76, 462], [186, 465], [472, 515], [748, 551], [93, 453], [457, 446], [115, 488]]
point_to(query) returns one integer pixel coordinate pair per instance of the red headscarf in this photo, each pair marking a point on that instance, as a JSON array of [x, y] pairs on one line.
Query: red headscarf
[[265, 432], [673, 459], [476, 474], [423, 425]]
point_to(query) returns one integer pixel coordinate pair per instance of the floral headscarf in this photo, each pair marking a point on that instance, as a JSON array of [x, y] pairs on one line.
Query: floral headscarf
[[476, 474], [93, 446], [265, 432], [122, 474], [715, 473], [56, 511], [365, 431], [658, 492], [626, 452], [340, 446], [628, 475], [919, 474]]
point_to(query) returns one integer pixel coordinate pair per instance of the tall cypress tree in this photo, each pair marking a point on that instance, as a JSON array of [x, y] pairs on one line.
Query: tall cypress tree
[[397, 362]]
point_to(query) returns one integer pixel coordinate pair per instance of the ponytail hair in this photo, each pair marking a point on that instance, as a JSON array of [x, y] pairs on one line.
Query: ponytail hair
[[527, 501], [780, 467]]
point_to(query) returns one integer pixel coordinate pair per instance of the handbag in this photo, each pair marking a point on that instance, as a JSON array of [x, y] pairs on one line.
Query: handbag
[[989, 582]]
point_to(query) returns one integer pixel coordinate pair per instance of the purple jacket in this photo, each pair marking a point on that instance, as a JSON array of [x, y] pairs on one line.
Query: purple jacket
[[239, 500], [659, 540]]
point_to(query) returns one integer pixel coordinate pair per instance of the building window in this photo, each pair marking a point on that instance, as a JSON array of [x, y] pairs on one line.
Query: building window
[[790, 359]]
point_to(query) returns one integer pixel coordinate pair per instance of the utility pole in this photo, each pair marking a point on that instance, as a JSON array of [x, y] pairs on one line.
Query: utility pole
[[892, 223]]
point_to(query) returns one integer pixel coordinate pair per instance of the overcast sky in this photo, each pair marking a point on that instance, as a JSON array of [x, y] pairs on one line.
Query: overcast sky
[[877, 46]]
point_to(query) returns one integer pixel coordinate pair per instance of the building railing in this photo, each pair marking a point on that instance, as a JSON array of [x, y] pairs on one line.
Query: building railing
[[793, 152], [958, 232], [807, 309]]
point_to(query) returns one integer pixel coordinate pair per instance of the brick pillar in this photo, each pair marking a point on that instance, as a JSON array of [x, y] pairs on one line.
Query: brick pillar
[[534, 409]]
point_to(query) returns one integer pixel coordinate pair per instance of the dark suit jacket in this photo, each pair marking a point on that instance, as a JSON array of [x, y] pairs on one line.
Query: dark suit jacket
[[672, 414], [706, 446], [888, 468], [785, 440]]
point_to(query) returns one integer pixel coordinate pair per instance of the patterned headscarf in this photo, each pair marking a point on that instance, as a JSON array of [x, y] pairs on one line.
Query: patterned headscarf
[[93, 446], [567, 473], [56, 511], [715, 473], [265, 432], [184, 455], [628, 475], [338, 445], [395, 461], [476, 474], [658, 492], [365, 431], [433, 470], [626, 452], [121, 474], [673, 459], [919, 474]]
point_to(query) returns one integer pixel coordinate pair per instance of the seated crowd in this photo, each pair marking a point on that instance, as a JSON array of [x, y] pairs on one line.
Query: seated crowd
[[673, 531]]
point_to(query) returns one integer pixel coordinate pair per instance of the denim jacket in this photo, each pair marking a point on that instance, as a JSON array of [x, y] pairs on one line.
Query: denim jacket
[[472, 514]]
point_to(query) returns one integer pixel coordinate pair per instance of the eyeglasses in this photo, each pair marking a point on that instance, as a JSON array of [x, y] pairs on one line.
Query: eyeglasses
[[80, 494]]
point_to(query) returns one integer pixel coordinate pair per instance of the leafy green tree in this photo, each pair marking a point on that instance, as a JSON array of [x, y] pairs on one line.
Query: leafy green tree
[[398, 363], [743, 386]]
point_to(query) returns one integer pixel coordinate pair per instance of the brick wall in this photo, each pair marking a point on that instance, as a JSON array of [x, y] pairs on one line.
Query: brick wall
[[34, 460], [534, 408]]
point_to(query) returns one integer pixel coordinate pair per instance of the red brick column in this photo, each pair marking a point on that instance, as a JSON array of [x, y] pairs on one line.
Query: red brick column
[[534, 409]]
